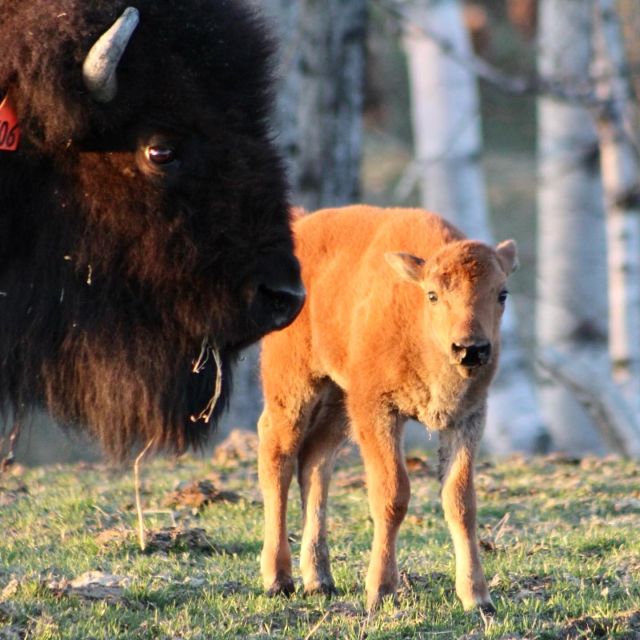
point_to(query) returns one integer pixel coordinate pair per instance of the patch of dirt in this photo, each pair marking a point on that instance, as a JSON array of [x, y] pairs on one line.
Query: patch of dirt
[[13, 632], [114, 536], [239, 446], [179, 539], [197, 495], [92, 585], [522, 587], [416, 582], [9, 496], [419, 467], [349, 479]]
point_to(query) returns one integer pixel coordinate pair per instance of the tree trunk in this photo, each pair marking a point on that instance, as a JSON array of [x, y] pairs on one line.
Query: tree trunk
[[321, 96], [572, 287], [620, 171], [319, 129], [446, 122]]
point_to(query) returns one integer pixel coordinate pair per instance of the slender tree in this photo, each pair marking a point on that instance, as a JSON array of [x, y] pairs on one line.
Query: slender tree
[[620, 174], [448, 146], [572, 288]]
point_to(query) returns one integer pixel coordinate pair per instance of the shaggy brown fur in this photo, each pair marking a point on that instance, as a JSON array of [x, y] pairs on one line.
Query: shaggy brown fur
[[114, 270], [384, 336]]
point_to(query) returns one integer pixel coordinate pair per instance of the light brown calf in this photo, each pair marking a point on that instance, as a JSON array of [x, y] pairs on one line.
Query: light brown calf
[[402, 320]]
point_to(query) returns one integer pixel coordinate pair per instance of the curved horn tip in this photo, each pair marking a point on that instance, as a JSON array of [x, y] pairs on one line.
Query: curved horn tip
[[99, 67]]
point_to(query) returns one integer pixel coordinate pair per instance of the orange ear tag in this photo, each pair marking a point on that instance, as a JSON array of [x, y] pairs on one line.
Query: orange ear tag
[[9, 127]]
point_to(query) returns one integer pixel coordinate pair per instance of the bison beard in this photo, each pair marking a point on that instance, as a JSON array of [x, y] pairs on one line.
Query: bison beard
[[137, 230]]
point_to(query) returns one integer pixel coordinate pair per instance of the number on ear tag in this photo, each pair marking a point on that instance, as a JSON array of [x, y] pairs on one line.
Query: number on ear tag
[[9, 127]]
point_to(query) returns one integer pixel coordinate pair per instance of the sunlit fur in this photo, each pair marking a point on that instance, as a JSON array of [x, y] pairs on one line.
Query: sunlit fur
[[113, 271], [368, 351]]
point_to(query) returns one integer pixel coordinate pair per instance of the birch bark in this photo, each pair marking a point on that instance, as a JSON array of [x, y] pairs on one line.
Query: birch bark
[[572, 289], [620, 175]]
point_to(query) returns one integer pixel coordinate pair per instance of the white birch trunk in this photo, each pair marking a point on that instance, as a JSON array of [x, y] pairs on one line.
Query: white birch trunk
[[446, 122], [572, 288], [620, 175], [321, 96]]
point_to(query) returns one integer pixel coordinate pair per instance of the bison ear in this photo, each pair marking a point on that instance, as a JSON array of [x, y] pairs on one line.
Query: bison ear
[[408, 267], [508, 256]]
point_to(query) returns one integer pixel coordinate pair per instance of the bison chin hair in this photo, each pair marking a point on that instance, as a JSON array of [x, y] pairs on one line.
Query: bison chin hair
[[131, 396]]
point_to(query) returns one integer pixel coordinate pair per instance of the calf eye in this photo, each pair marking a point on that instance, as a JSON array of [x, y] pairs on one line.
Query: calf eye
[[160, 155], [433, 297], [502, 296]]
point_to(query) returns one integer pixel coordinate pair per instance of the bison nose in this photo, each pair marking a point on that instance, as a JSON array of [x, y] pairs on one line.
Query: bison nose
[[471, 354], [281, 303]]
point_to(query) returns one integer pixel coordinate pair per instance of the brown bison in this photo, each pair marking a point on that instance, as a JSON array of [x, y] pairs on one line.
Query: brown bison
[[144, 222], [402, 320]]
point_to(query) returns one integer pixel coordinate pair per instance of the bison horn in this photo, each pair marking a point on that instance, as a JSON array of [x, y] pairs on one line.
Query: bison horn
[[99, 67]]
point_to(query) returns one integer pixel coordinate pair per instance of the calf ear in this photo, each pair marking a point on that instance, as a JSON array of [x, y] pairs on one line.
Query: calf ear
[[508, 255], [408, 267]]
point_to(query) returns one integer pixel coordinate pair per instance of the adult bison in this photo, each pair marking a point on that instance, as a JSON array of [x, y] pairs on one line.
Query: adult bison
[[402, 320], [143, 212]]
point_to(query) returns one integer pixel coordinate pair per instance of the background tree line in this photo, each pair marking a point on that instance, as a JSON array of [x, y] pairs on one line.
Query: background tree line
[[568, 65]]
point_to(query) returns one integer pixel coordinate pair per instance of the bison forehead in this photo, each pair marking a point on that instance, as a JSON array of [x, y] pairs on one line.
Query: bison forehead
[[463, 264], [183, 54]]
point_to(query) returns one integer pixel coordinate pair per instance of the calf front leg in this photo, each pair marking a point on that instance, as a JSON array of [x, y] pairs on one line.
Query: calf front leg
[[380, 440], [457, 451], [275, 469]]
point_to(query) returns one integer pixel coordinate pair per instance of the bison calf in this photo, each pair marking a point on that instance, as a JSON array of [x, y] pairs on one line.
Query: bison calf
[[402, 321]]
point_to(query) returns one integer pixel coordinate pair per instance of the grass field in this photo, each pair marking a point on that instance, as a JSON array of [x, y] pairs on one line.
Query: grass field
[[561, 542]]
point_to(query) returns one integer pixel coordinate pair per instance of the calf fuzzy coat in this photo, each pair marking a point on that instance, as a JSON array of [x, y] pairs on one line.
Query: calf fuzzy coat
[[402, 320]]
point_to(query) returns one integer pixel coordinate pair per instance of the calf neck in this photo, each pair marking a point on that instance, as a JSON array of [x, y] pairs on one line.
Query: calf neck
[[402, 321]]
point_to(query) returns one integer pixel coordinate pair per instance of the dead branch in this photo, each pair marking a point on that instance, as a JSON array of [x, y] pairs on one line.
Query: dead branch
[[575, 90], [619, 426]]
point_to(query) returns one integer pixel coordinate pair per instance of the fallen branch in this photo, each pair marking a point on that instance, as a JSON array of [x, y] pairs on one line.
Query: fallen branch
[[617, 423]]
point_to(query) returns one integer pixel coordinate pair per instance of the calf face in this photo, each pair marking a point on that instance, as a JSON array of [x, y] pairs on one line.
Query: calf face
[[465, 292]]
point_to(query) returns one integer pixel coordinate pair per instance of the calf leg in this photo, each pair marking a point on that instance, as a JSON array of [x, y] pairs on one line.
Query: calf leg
[[380, 440], [327, 431], [457, 452], [276, 460]]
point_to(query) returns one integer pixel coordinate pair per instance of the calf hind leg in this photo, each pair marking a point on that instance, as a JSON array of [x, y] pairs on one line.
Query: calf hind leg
[[326, 431]]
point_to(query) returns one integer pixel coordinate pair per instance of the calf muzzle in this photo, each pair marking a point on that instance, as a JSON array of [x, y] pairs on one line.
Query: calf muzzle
[[471, 353]]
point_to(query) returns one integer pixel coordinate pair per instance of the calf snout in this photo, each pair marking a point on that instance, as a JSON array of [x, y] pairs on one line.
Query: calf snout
[[471, 353]]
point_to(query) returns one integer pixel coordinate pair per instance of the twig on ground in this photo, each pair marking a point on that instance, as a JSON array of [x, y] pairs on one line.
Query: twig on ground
[[136, 480]]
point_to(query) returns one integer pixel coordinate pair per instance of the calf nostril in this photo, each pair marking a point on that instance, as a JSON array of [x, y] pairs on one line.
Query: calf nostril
[[458, 349], [484, 350], [473, 354]]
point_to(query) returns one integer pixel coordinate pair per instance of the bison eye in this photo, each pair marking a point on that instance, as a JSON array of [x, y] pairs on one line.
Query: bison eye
[[160, 155], [502, 296], [433, 296]]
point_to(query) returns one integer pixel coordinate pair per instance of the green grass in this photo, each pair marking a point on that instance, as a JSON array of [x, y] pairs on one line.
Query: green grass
[[562, 554]]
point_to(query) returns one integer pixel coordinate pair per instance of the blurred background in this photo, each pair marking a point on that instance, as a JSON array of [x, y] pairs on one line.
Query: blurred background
[[512, 118]]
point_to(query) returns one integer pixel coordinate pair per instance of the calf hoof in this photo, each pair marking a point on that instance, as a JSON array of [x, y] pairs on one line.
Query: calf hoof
[[375, 600], [327, 589], [487, 612], [282, 586]]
